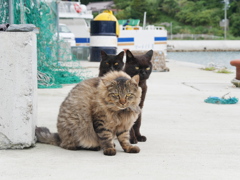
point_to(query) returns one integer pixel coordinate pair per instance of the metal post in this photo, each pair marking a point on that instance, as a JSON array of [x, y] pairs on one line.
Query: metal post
[[22, 21], [57, 25], [171, 30], [57, 19], [144, 19], [225, 18], [10, 11], [225, 21]]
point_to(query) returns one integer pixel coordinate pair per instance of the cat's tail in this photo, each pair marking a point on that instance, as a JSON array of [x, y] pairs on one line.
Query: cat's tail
[[45, 136]]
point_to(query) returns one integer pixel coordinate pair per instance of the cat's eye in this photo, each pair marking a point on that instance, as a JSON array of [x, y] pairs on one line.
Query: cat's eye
[[136, 67], [148, 68], [128, 95], [115, 94], [116, 64], [107, 63]]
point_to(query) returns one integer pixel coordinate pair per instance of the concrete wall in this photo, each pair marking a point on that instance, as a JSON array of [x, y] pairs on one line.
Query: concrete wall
[[18, 78], [203, 45]]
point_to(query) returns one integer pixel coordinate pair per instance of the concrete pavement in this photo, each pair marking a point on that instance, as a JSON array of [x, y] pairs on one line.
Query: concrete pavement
[[186, 137]]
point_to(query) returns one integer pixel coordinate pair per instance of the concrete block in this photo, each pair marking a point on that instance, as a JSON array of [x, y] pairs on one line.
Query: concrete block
[[18, 89]]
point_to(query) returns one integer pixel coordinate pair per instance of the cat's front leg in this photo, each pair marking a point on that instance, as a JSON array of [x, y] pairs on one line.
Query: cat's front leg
[[123, 138], [105, 137], [136, 128]]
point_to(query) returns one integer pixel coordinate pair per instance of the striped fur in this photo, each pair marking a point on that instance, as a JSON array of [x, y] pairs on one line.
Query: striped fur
[[95, 112]]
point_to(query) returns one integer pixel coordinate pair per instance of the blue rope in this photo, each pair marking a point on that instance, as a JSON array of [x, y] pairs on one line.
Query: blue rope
[[217, 100]]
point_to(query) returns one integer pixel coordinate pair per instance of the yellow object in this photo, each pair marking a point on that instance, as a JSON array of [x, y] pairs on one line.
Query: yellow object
[[128, 27], [107, 15], [136, 28]]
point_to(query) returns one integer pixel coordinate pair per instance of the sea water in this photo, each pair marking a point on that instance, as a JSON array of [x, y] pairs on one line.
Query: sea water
[[220, 59]]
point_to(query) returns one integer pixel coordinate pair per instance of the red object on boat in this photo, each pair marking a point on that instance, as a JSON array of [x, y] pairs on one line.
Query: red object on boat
[[77, 8]]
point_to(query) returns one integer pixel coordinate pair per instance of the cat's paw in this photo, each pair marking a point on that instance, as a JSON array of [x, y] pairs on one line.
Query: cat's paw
[[109, 152], [133, 149], [141, 138], [133, 141]]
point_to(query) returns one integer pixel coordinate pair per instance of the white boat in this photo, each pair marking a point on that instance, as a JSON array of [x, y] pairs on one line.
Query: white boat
[[77, 18]]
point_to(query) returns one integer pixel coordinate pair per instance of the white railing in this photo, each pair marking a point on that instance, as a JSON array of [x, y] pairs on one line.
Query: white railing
[[192, 36], [152, 27], [149, 27]]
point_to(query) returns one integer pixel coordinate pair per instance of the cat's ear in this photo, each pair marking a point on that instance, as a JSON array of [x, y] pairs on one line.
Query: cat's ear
[[136, 78], [107, 82], [103, 55], [129, 55], [149, 55], [120, 55]]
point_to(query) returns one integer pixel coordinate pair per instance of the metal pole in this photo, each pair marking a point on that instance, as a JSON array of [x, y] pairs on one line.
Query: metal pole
[[10, 12], [144, 19], [57, 19], [57, 24], [171, 30], [225, 21], [22, 21], [225, 18]]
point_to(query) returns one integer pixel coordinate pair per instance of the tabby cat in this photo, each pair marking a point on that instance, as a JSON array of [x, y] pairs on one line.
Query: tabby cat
[[110, 63], [142, 66], [95, 112]]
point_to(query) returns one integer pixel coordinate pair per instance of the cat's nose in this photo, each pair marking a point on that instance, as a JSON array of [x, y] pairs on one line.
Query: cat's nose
[[142, 72], [122, 101]]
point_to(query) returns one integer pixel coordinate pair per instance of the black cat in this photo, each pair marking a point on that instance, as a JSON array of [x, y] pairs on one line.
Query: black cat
[[139, 65], [110, 63]]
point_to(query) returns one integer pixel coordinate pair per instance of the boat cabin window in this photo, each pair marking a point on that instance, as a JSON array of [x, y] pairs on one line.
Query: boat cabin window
[[64, 29]]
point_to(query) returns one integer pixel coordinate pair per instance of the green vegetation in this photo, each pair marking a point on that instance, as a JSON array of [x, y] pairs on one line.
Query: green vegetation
[[209, 68], [216, 69], [187, 16], [224, 70]]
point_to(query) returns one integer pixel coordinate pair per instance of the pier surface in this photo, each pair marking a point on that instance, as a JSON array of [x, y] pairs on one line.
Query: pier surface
[[186, 137]]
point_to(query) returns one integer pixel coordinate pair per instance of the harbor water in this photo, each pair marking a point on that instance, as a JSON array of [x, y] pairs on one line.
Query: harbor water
[[220, 59]]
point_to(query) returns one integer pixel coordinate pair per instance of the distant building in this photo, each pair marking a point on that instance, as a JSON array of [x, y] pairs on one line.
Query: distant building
[[100, 6]]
